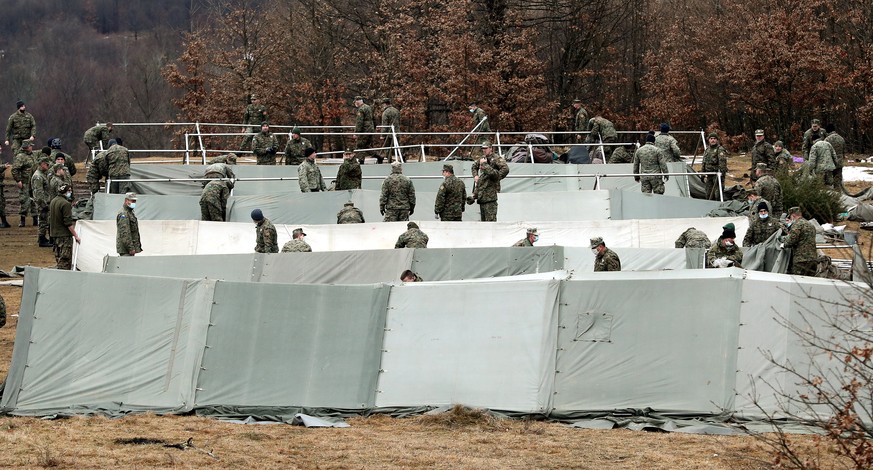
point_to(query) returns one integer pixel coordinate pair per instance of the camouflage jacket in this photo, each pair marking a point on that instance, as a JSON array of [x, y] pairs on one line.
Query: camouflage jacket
[[450, 198], [216, 194], [220, 159], [348, 176], [693, 238], [39, 184], [255, 114], [486, 188], [23, 167], [601, 127], [769, 188], [265, 146], [118, 160], [20, 126], [667, 143], [715, 159], [265, 237], [350, 215], [761, 229], [782, 160], [296, 246], [398, 193], [127, 232], [650, 159], [839, 144], [524, 242], [479, 116], [98, 169], [390, 117], [822, 157], [581, 120], [309, 177], [498, 163], [294, 150], [219, 170], [364, 119], [412, 238], [621, 155], [801, 237], [808, 138], [607, 260], [762, 152], [97, 134], [719, 250], [68, 161], [54, 183]]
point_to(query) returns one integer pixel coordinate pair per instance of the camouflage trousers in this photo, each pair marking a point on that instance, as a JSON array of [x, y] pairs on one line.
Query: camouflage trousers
[[211, 212], [44, 221], [365, 142], [63, 252], [16, 145], [828, 177], [652, 184], [450, 218], [2, 199], [488, 211], [396, 215], [838, 178], [712, 187], [119, 185], [25, 202], [803, 268], [268, 159]]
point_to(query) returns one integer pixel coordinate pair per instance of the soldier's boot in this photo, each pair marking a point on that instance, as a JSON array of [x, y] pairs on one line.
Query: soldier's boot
[[45, 242], [23, 220], [35, 221], [3, 222]]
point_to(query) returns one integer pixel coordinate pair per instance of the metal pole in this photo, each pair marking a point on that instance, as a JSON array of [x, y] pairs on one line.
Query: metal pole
[[499, 149], [530, 151], [466, 137], [602, 152], [397, 154], [720, 189], [187, 151], [200, 141], [423, 158]]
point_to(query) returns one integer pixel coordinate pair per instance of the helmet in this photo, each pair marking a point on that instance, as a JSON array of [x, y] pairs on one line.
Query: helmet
[[56, 143]]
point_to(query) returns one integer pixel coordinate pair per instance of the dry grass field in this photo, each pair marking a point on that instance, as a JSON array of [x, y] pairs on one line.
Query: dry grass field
[[455, 440]]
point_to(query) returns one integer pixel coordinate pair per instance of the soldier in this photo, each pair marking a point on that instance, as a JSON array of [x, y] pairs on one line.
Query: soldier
[[623, 154], [3, 222], [397, 201], [118, 162], [405, 276], [348, 176], [714, 159], [529, 239], [127, 240], [97, 135], [63, 227], [782, 158], [413, 237], [364, 126], [350, 214], [390, 120], [265, 234], [20, 127], [580, 122], [295, 147], [815, 131], [801, 237], [489, 170], [601, 129], [39, 185], [213, 201], [23, 167], [68, 162], [693, 238], [650, 159], [724, 252], [762, 152], [309, 175], [839, 144], [99, 169], [822, 161], [762, 227], [254, 115], [265, 146], [227, 159], [480, 116], [221, 169], [667, 143], [297, 244], [57, 177], [753, 198], [605, 259], [449, 205], [769, 189]]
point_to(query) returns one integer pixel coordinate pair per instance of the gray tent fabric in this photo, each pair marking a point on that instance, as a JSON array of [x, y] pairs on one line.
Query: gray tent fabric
[[768, 256], [730, 208]]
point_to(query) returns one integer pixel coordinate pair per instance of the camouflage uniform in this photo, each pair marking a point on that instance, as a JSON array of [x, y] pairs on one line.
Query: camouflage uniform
[[714, 159], [55, 181], [769, 189], [449, 205], [650, 159], [69, 164], [364, 123], [397, 201], [296, 246], [801, 237], [60, 218], [20, 126], [348, 176], [95, 135], [667, 143], [719, 250], [808, 138], [412, 238], [762, 152], [581, 122], [782, 160], [228, 159], [265, 237], [693, 238], [127, 232], [350, 214], [265, 146], [219, 170], [213, 201], [821, 162], [486, 188], [2, 190], [839, 144], [254, 116], [602, 129], [607, 260], [23, 167], [761, 229], [98, 169], [621, 155], [294, 150], [390, 117], [39, 184], [753, 208], [2, 312], [479, 116], [309, 177], [118, 162]]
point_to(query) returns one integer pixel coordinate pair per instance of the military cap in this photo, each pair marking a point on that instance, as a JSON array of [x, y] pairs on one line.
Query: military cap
[[713, 135], [759, 131], [55, 143], [231, 158], [577, 100], [386, 100], [46, 160], [257, 214], [449, 168], [532, 231], [112, 142], [761, 166], [254, 96], [359, 98], [762, 206], [131, 196], [63, 188], [411, 225], [814, 121], [778, 143], [729, 232], [597, 241], [665, 127], [27, 143], [56, 167], [349, 204], [297, 231], [795, 210], [296, 130], [729, 226], [396, 165], [751, 192], [19, 104], [486, 144]]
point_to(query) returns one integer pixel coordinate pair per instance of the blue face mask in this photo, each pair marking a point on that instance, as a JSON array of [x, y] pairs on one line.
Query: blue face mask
[[536, 237], [132, 205], [763, 216]]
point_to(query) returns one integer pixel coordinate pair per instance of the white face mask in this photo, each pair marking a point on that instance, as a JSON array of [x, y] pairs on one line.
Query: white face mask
[[594, 250], [763, 216], [472, 109], [68, 195], [132, 205], [728, 243], [536, 237]]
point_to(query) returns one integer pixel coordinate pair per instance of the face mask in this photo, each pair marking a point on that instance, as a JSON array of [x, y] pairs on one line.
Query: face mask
[[472, 109], [789, 223], [728, 243], [750, 201], [763, 216], [536, 237], [68, 195], [132, 205], [594, 250]]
